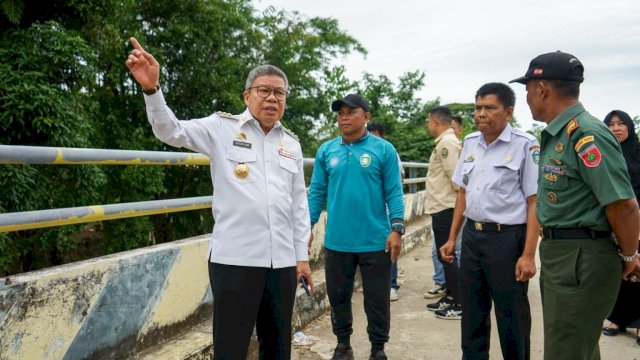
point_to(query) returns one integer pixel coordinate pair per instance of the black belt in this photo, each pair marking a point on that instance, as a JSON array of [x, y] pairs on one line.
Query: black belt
[[489, 226], [573, 233]]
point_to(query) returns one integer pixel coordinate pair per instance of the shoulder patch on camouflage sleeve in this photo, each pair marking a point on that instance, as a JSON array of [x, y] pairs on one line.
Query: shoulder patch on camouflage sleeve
[[571, 127], [291, 133], [584, 140]]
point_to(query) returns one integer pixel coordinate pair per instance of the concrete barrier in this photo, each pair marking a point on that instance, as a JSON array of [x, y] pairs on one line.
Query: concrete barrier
[[122, 305]]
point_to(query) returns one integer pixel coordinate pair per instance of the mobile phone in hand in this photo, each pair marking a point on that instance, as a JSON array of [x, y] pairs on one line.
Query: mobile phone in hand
[[303, 281]]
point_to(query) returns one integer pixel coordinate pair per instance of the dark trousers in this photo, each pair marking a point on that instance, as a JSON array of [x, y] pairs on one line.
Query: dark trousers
[[245, 296], [487, 271], [441, 223], [340, 271]]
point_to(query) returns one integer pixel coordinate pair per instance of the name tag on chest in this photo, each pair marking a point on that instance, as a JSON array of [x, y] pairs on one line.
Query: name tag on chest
[[286, 153], [242, 144]]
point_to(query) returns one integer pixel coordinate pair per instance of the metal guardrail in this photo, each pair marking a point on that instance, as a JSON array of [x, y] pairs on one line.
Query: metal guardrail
[[41, 155], [10, 154], [67, 216]]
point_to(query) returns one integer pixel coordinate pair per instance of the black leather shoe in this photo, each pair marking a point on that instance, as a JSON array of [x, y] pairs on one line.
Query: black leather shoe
[[380, 355], [342, 352], [612, 331]]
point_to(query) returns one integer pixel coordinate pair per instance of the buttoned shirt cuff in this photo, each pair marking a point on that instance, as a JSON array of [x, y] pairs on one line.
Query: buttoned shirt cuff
[[302, 254], [155, 101]]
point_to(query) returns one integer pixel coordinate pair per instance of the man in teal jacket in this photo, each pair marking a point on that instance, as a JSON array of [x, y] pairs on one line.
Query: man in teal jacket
[[357, 175]]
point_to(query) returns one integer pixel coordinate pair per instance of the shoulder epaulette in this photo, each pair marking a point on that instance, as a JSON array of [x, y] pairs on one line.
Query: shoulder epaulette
[[523, 133], [472, 135], [228, 115], [572, 126], [290, 133], [451, 138]]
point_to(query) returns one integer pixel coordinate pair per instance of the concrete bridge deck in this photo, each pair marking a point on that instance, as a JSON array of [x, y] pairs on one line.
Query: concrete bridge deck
[[415, 332]]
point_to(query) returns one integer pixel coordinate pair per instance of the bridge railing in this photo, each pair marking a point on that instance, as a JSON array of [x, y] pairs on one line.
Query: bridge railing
[[38, 155]]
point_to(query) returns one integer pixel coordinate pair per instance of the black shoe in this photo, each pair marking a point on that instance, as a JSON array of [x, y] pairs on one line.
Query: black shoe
[[380, 355], [442, 304], [342, 352], [453, 312], [609, 331]]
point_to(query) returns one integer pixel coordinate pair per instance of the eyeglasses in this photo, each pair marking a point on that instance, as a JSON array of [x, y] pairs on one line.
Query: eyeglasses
[[264, 92]]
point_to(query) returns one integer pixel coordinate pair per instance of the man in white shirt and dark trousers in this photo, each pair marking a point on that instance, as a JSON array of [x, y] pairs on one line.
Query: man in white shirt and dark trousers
[[497, 173], [258, 249]]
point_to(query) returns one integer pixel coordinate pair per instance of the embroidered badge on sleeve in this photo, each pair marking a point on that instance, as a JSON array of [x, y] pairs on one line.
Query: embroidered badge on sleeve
[[535, 155], [591, 156], [583, 141]]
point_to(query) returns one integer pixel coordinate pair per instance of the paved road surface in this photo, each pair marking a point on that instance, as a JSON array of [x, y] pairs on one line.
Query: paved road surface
[[417, 334]]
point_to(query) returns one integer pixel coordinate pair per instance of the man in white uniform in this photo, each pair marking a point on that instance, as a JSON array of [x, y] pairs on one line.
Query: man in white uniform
[[258, 249]]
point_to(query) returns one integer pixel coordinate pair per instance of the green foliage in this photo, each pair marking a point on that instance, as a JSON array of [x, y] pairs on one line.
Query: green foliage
[[536, 130], [466, 111], [63, 83], [304, 49], [12, 9], [397, 107], [42, 88], [44, 102]]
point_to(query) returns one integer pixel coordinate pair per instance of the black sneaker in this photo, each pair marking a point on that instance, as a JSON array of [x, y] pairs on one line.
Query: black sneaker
[[442, 304], [342, 353], [380, 355], [451, 313], [437, 291]]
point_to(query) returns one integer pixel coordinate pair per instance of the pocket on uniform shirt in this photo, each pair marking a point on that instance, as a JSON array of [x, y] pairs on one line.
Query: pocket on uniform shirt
[[466, 173], [288, 168], [507, 176], [288, 164], [238, 160], [467, 167], [554, 182], [553, 193]]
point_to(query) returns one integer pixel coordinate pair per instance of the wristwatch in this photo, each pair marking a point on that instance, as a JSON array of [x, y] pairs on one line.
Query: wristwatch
[[151, 91], [628, 258], [399, 228]]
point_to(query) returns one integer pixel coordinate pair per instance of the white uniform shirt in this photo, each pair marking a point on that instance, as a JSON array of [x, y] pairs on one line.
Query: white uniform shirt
[[499, 177], [261, 220]]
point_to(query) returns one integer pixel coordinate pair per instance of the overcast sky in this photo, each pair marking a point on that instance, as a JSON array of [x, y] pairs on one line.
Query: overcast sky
[[461, 45]]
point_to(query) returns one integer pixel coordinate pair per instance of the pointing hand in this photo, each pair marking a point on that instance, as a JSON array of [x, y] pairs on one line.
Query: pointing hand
[[143, 66]]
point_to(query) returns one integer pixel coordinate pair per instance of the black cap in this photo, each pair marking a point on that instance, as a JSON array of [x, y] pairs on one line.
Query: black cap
[[352, 101], [553, 66]]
